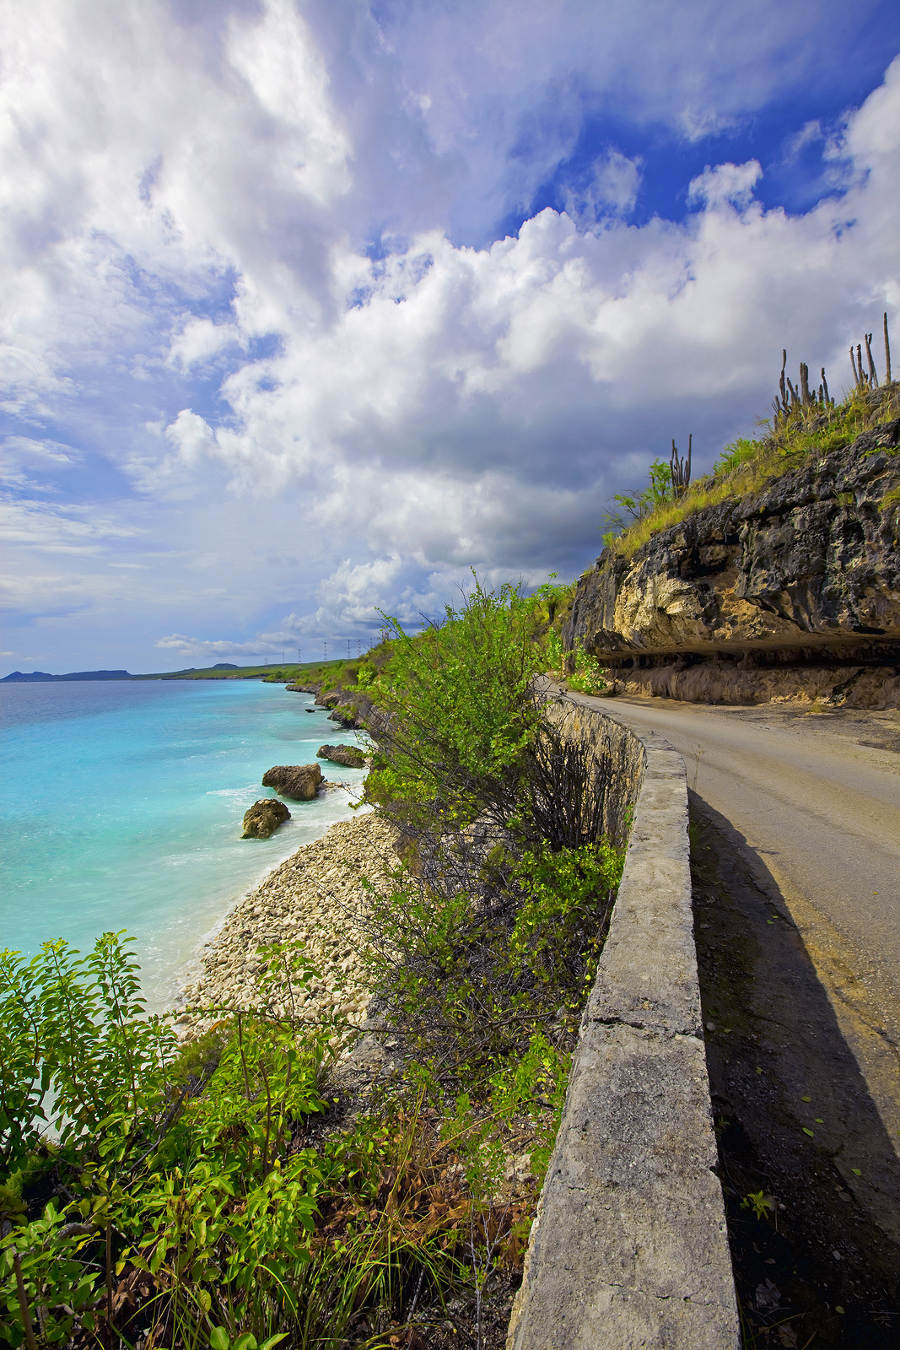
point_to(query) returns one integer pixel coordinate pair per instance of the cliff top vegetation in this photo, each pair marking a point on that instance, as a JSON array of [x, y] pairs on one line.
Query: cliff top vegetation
[[804, 424]]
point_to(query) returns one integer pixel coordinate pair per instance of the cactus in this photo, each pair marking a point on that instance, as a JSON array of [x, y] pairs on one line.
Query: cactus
[[806, 396], [680, 468]]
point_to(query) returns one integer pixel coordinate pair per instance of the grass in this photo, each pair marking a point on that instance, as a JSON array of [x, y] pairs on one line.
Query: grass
[[747, 464]]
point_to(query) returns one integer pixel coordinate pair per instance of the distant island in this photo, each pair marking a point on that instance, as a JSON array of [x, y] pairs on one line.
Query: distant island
[[21, 677], [222, 670]]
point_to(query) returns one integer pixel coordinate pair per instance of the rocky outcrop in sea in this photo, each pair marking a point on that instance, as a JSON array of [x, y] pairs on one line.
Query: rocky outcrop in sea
[[350, 756], [300, 781], [263, 818]]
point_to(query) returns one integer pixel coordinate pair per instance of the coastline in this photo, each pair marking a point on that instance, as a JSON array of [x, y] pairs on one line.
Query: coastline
[[317, 898]]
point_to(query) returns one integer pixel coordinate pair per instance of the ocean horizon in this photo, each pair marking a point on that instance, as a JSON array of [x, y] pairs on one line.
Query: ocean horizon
[[121, 805]]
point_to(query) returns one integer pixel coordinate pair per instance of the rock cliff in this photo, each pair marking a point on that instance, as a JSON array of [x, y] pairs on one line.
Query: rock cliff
[[793, 588]]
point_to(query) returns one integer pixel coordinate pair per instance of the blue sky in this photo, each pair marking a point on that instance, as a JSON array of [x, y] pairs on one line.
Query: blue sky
[[308, 307]]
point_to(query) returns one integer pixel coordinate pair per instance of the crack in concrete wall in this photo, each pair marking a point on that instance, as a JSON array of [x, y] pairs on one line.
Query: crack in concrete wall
[[629, 1247]]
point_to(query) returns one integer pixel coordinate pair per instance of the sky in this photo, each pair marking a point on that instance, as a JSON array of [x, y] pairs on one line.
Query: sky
[[310, 306]]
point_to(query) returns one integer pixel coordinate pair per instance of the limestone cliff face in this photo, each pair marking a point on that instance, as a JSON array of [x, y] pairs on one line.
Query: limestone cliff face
[[812, 556], [809, 564]]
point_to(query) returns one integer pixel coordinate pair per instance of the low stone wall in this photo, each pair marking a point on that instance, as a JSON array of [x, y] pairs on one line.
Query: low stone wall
[[629, 1247]]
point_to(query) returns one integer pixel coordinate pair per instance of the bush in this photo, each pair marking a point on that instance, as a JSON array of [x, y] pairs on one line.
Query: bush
[[197, 1212], [455, 714], [468, 975]]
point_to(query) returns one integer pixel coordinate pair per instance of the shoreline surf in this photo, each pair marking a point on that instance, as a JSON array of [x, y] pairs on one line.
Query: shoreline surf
[[121, 810]]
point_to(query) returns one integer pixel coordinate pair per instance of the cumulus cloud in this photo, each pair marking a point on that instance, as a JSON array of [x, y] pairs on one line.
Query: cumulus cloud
[[201, 340], [725, 184], [257, 266]]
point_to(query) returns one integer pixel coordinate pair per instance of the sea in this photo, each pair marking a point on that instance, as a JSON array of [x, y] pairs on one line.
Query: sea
[[121, 805]]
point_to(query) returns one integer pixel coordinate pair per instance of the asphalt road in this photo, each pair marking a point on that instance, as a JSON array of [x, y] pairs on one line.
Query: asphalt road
[[816, 797]]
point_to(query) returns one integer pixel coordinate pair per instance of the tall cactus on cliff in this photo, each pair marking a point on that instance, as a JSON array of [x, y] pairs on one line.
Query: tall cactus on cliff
[[680, 468]]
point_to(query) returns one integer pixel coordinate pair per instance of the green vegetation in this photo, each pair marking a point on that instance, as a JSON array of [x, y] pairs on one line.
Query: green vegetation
[[801, 432], [287, 672], [218, 1194]]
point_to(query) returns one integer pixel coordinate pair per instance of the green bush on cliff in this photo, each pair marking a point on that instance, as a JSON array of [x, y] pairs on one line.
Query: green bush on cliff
[[455, 711]]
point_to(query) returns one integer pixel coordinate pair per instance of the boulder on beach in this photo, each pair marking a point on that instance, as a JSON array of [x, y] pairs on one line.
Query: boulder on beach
[[300, 781], [349, 755], [263, 817]]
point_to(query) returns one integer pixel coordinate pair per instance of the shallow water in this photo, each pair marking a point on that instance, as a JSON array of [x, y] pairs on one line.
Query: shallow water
[[121, 806]]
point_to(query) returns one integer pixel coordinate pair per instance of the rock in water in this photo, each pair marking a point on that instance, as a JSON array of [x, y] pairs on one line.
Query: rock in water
[[300, 781], [263, 818], [349, 755]]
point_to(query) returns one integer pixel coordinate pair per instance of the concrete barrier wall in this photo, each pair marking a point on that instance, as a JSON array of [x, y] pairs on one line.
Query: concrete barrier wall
[[629, 1246]]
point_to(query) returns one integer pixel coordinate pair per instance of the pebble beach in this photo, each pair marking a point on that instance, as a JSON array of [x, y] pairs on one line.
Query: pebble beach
[[317, 898]]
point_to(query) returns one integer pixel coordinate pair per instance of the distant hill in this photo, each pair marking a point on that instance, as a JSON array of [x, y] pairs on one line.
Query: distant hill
[[19, 677]]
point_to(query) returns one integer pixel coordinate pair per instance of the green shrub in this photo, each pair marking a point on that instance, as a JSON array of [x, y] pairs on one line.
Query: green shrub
[[736, 455], [455, 711]]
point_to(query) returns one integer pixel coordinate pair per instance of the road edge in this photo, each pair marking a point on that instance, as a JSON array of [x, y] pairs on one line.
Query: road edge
[[629, 1246]]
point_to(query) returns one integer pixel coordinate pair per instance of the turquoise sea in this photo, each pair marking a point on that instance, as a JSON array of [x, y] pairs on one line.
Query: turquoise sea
[[121, 806]]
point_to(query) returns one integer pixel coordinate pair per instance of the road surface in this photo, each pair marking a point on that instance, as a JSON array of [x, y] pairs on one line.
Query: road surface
[[816, 796]]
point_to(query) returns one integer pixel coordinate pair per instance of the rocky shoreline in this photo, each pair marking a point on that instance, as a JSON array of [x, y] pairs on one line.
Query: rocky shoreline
[[316, 898]]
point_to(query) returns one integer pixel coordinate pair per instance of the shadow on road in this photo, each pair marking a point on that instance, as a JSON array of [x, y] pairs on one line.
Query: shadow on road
[[811, 1179]]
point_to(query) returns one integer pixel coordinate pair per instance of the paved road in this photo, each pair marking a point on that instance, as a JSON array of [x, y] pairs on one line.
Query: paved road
[[820, 807]]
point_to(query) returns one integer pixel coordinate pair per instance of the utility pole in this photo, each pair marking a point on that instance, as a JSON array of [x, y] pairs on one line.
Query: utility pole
[[324, 649]]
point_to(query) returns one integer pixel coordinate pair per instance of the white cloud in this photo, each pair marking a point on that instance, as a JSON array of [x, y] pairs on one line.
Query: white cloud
[[357, 591], [200, 340], [251, 265], [809, 134], [191, 437], [194, 648], [611, 190], [725, 184], [25, 463], [58, 529]]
